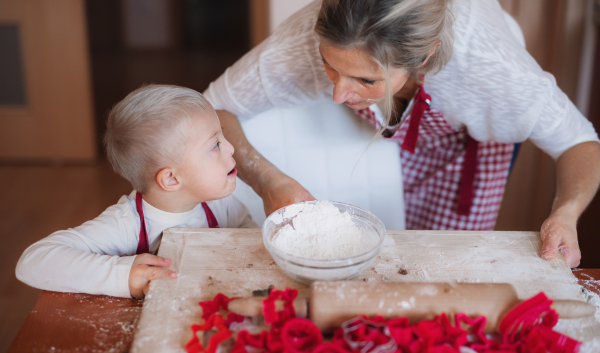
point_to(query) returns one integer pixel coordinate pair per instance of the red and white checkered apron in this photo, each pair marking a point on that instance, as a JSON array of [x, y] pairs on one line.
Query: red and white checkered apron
[[451, 181]]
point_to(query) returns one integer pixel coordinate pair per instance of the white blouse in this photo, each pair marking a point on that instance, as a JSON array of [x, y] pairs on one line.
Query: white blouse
[[491, 85]]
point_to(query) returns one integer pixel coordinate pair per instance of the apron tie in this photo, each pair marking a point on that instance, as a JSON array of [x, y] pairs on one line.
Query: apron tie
[[422, 103], [143, 246], [469, 167], [210, 217], [467, 178]]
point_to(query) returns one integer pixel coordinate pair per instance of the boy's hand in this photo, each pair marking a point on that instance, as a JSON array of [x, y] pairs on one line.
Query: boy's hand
[[145, 268]]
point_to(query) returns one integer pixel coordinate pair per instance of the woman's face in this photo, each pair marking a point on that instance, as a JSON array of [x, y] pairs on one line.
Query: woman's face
[[359, 81]]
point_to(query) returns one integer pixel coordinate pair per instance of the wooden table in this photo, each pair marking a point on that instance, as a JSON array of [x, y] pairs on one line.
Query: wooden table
[[69, 322]]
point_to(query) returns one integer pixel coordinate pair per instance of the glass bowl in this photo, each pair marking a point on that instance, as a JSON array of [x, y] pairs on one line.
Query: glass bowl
[[305, 270]]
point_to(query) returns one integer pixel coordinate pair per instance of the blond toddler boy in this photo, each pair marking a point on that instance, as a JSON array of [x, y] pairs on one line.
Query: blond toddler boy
[[167, 142]]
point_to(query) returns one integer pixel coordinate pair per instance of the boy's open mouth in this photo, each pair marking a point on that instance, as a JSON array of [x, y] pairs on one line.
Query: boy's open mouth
[[233, 171]]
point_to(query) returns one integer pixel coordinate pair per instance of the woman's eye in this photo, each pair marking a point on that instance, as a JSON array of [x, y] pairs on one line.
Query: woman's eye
[[216, 146], [367, 82]]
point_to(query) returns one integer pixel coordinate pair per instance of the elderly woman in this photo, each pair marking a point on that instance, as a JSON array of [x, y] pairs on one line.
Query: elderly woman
[[448, 80]]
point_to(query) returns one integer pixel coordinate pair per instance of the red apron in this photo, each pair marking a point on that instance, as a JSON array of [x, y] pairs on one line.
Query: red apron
[[143, 245], [451, 181]]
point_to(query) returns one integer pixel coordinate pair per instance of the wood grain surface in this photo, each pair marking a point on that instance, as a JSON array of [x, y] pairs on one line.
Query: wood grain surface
[[588, 279], [69, 322], [81, 322], [235, 262]]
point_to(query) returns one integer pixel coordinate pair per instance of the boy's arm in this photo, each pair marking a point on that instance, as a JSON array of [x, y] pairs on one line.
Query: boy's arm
[[92, 258], [59, 263]]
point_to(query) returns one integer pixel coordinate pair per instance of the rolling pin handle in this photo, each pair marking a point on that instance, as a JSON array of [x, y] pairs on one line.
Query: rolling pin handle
[[254, 307], [572, 309], [246, 306]]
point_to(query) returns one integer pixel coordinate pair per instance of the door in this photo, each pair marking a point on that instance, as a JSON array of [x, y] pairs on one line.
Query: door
[[45, 94]]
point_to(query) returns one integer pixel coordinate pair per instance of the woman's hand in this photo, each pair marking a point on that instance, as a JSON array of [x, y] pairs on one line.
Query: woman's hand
[[577, 180], [145, 268], [559, 233], [283, 192]]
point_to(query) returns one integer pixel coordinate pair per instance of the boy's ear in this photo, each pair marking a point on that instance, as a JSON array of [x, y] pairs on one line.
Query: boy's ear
[[167, 180]]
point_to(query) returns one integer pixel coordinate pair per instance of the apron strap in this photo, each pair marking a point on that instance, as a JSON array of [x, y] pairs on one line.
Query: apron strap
[[422, 103], [467, 178], [469, 168], [210, 217], [143, 246]]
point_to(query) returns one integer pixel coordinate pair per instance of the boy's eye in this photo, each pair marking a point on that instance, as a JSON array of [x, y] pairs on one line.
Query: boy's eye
[[216, 146], [368, 82]]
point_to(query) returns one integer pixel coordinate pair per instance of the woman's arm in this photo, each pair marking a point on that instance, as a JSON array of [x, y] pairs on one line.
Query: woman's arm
[[285, 71], [578, 177], [272, 185]]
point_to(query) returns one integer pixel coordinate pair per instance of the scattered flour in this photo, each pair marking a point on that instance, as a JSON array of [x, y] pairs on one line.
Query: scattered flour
[[584, 329], [319, 231]]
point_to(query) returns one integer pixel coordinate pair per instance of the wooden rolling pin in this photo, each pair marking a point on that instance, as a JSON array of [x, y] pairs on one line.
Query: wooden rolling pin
[[332, 303]]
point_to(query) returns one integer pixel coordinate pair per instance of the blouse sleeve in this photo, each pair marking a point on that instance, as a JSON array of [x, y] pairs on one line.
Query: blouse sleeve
[[560, 125], [497, 90], [283, 71]]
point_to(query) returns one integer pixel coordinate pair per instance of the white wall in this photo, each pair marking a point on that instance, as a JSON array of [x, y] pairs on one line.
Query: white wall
[[321, 146]]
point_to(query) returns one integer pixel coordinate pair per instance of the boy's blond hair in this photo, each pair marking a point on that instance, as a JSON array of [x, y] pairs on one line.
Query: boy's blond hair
[[148, 131]]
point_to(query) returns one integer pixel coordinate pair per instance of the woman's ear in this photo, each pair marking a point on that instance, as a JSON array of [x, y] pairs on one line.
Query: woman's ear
[[430, 54], [167, 180]]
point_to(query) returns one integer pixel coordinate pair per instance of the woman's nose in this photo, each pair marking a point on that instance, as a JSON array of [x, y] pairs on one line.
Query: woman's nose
[[341, 92]]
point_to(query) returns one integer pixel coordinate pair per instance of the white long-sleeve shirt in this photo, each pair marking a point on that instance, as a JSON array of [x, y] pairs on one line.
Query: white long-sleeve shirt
[[492, 85], [96, 257]]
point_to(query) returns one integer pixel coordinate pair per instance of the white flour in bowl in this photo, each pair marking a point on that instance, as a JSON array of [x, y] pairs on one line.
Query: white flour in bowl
[[319, 231]]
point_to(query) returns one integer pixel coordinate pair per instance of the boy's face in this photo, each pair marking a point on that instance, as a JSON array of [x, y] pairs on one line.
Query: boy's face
[[208, 167]]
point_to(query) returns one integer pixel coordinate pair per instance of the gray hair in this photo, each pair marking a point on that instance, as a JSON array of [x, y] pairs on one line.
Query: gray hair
[[395, 33], [148, 130]]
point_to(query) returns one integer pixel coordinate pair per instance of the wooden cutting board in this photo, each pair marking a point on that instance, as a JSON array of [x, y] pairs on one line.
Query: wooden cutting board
[[235, 262]]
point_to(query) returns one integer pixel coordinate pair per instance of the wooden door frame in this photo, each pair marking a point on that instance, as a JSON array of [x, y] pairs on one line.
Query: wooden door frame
[[57, 122], [259, 21]]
